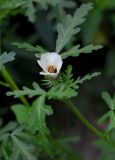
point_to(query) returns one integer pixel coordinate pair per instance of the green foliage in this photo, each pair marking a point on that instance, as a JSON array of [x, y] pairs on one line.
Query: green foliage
[[75, 51], [25, 116], [29, 116], [66, 86], [107, 150], [8, 7], [87, 77], [109, 101], [11, 5], [27, 91], [63, 148], [44, 3], [63, 87], [17, 144], [111, 113], [33, 119], [30, 10], [70, 26], [26, 7], [6, 57], [29, 47], [58, 12], [42, 110], [8, 128], [22, 149], [4, 139]]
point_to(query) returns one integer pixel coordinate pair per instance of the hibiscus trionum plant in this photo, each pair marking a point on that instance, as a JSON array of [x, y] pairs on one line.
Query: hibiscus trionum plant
[[29, 138]]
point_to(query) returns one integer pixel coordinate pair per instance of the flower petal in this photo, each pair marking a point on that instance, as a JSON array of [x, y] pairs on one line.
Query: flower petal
[[59, 63], [53, 58], [42, 65], [50, 59]]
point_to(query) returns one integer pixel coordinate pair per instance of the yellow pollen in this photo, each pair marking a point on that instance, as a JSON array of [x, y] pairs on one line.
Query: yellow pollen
[[52, 69]]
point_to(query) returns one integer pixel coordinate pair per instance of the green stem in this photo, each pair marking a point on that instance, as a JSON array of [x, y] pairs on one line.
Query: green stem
[[4, 84], [6, 75], [96, 131]]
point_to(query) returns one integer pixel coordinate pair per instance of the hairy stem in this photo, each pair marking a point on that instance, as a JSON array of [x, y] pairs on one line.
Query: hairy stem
[[6, 75], [96, 131]]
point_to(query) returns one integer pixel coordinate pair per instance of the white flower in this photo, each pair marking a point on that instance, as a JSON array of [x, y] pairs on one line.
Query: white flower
[[51, 64]]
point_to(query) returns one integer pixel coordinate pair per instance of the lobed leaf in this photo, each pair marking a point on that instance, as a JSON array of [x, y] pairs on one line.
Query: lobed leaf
[[21, 113], [26, 116], [75, 51], [87, 77], [34, 119], [70, 26], [42, 110], [22, 146], [6, 57], [23, 149], [27, 91], [30, 11], [8, 128], [17, 144], [29, 47]]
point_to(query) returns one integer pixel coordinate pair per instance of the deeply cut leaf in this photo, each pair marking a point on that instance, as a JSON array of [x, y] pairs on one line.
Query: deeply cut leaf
[[27, 91], [75, 51], [70, 26], [29, 47], [6, 57]]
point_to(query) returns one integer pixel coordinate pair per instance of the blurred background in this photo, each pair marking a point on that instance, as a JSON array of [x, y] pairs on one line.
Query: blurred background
[[35, 22]]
